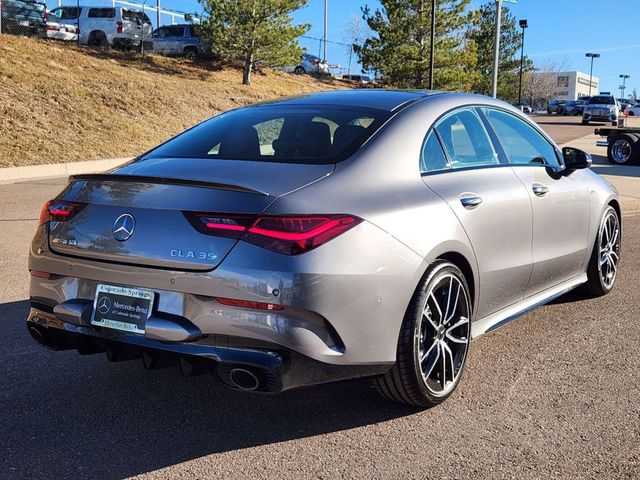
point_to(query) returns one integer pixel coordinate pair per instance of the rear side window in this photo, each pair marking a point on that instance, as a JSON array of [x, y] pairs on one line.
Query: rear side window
[[316, 134], [102, 13], [69, 13], [465, 140], [433, 158], [522, 144]]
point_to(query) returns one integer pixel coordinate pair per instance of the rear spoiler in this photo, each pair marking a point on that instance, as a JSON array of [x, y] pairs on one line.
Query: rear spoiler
[[115, 177]]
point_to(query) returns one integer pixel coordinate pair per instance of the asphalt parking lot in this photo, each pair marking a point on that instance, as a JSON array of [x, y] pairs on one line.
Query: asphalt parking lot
[[555, 394]]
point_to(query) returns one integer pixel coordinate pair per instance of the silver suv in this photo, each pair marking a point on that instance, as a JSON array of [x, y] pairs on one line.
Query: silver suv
[[118, 27], [601, 108]]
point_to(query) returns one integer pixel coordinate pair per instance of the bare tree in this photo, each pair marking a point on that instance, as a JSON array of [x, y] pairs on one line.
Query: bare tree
[[356, 32], [541, 84]]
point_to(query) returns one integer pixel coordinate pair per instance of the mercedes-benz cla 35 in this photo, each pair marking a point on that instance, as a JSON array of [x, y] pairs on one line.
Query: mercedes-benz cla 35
[[324, 237]]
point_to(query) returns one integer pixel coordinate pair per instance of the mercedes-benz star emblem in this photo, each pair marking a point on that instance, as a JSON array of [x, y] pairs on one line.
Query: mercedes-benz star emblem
[[104, 305], [123, 227]]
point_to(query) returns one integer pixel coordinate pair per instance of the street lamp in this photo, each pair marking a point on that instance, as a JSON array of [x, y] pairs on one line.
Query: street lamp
[[624, 84], [592, 56], [523, 25]]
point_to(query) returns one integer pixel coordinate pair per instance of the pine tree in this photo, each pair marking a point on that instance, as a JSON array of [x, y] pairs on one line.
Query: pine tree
[[253, 32], [482, 34], [400, 48]]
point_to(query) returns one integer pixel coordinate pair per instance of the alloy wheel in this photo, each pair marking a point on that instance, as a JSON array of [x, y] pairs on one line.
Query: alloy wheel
[[609, 245], [444, 334]]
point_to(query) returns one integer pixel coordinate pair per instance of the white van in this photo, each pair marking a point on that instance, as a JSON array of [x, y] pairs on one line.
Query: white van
[[118, 27]]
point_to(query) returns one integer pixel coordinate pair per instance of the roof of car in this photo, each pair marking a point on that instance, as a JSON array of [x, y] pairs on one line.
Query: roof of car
[[373, 98]]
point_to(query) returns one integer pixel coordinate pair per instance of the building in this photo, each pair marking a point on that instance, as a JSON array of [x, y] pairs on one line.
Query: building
[[573, 85]]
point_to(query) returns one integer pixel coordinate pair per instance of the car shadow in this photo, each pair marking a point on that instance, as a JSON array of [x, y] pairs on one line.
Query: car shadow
[[64, 413], [602, 166]]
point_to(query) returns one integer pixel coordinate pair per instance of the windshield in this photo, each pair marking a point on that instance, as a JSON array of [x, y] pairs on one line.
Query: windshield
[[313, 134], [602, 101]]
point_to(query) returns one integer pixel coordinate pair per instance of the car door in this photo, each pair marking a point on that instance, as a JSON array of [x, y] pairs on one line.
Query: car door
[[160, 40], [460, 164], [560, 202], [177, 40]]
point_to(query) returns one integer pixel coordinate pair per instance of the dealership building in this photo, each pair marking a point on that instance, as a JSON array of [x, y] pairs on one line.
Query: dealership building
[[573, 85]]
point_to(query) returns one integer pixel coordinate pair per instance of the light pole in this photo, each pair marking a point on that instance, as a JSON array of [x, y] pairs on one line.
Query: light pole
[[523, 25], [496, 51], [623, 87], [433, 43], [592, 56]]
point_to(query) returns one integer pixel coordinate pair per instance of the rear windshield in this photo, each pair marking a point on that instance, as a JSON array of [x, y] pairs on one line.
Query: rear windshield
[[602, 101], [317, 134]]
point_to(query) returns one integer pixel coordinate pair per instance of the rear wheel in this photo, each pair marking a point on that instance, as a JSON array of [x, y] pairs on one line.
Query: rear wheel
[[603, 265], [298, 70], [434, 340], [97, 39], [190, 53], [623, 149]]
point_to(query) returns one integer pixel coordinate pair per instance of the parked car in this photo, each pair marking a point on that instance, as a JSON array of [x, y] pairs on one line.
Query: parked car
[[361, 79], [523, 107], [238, 247], [312, 64], [601, 108], [554, 106], [572, 107], [118, 27], [180, 40], [57, 29], [633, 110], [23, 17]]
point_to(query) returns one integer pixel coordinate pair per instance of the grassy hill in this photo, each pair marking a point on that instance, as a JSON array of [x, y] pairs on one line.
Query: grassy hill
[[61, 103]]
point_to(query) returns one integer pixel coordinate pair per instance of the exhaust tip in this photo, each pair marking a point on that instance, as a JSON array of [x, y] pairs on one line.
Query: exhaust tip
[[37, 335], [244, 379]]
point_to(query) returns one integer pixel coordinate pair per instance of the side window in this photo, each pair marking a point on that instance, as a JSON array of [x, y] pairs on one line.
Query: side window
[[520, 141], [102, 12], [432, 158], [160, 33], [175, 31], [466, 140]]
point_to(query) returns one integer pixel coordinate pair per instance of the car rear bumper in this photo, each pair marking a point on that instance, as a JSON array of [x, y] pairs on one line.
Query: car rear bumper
[[260, 368]]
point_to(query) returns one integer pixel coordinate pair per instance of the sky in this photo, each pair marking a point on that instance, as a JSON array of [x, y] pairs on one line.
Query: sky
[[559, 31]]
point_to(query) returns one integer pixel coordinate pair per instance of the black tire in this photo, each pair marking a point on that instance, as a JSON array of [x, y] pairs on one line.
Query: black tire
[[191, 53], [585, 122], [405, 382], [596, 285], [299, 70], [97, 39], [614, 124], [624, 149]]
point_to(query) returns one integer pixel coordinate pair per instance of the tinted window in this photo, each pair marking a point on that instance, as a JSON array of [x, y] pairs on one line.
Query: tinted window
[[520, 141], [278, 133], [160, 32], [102, 12], [433, 158], [602, 101], [465, 140], [175, 31], [69, 13]]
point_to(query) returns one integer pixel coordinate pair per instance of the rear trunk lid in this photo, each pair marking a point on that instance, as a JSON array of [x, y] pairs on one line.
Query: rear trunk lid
[[136, 213]]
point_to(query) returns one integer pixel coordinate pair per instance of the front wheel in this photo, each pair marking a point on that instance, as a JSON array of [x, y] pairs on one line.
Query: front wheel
[[298, 70], [434, 340], [623, 149], [605, 258]]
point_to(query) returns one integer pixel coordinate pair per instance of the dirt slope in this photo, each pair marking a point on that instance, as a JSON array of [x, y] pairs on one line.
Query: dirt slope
[[61, 103]]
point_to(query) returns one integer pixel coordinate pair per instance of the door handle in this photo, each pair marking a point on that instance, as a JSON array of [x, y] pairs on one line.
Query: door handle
[[471, 201], [539, 190]]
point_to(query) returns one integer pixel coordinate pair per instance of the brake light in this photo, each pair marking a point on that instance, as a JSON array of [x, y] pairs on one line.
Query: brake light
[[59, 211], [315, 62], [51, 28], [46, 15], [38, 274], [232, 302], [289, 235], [119, 28]]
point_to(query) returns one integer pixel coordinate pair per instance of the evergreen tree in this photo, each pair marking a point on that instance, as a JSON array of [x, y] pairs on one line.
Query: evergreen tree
[[253, 32], [482, 33], [400, 48]]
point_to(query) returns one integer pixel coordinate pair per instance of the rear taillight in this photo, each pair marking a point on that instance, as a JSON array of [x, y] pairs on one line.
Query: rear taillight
[[51, 28], [119, 26], [46, 15], [289, 235], [232, 302], [59, 211]]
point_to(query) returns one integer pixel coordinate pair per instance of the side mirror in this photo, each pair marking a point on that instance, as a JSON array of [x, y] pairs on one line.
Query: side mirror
[[575, 159]]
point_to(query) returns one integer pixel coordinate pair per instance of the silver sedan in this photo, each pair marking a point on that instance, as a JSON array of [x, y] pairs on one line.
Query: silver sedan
[[324, 237]]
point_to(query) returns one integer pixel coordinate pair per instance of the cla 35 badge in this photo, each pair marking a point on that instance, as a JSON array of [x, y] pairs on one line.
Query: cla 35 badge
[[123, 227]]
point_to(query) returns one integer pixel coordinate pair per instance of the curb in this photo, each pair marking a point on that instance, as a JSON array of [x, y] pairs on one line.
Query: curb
[[14, 174]]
